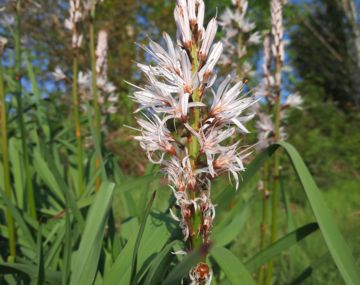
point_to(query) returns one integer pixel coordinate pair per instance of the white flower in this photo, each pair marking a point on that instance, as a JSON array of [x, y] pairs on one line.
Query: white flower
[[90, 4], [3, 42], [266, 131], [77, 40], [238, 37], [75, 11], [200, 18], [230, 161], [182, 23], [228, 105], [180, 173], [58, 74], [294, 100], [84, 80], [208, 39], [173, 66], [174, 95], [155, 137], [210, 140], [254, 38], [277, 28], [206, 73], [101, 54]]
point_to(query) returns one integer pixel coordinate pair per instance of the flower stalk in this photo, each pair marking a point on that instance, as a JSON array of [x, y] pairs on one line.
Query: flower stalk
[[5, 155], [240, 35], [18, 92], [278, 52], [96, 121], [71, 24], [76, 115], [183, 132], [271, 125]]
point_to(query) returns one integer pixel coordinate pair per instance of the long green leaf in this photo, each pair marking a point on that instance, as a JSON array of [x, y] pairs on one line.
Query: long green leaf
[[85, 261], [157, 266], [40, 278], [337, 246], [233, 268], [18, 217], [235, 221], [138, 239], [157, 232], [52, 277], [282, 244], [67, 250]]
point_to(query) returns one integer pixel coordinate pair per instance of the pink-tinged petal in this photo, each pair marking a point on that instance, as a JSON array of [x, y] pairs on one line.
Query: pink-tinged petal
[[213, 58], [191, 11], [208, 39], [201, 16]]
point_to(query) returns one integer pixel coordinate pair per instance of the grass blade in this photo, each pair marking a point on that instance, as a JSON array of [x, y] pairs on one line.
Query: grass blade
[[282, 244], [157, 266], [40, 278], [337, 246], [138, 239], [18, 217], [85, 261], [233, 268]]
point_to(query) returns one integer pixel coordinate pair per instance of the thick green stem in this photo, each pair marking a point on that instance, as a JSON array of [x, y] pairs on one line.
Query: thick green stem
[[6, 169], [193, 147], [276, 170], [264, 222], [29, 185], [96, 121], [76, 114]]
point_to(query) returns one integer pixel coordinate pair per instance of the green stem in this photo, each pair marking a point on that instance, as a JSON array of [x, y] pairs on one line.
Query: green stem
[[29, 186], [76, 115], [276, 171], [264, 222], [95, 96], [6, 170], [193, 147]]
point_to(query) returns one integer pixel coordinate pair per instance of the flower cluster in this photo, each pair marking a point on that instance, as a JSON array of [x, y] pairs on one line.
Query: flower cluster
[[76, 14], [239, 35], [186, 131], [107, 98], [273, 51], [89, 5]]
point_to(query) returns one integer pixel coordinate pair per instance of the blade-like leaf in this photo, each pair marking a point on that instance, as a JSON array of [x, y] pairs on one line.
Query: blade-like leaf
[[138, 239], [337, 246], [235, 221], [233, 268], [18, 217], [282, 244], [40, 278], [52, 277], [157, 266], [86, 259]]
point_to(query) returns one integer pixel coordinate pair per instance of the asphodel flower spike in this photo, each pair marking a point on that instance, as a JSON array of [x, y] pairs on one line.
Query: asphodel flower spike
[[76, 15], [183, 132], [273, 51], [239, 36]]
